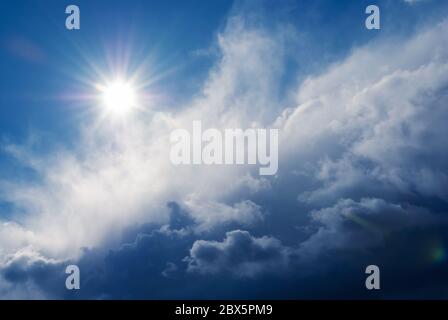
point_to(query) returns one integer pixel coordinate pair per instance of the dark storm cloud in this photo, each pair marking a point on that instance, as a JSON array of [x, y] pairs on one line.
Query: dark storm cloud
[[412, 257]]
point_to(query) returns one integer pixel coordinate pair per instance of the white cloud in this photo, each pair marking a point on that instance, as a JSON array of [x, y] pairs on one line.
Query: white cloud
[[119, 175], [375, 121], [372, 123], [211, 214]]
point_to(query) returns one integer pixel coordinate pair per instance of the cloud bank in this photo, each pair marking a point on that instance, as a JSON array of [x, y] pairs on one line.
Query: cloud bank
[[362, 149]]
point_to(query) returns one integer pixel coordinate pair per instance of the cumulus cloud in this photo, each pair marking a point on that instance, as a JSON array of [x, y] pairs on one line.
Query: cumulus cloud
[[361, 225], [378, 132], [240, 254], [27, 274], [120, 174], [366, 135], [210, 214]]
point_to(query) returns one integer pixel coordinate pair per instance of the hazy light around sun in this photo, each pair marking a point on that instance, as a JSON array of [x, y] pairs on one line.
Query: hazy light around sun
[[118, 97]]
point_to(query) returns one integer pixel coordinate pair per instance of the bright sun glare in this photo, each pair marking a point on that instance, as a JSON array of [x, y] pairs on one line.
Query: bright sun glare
[[118, 97]]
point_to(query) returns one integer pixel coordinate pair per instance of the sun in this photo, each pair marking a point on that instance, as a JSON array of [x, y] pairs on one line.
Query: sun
[[118, 97]]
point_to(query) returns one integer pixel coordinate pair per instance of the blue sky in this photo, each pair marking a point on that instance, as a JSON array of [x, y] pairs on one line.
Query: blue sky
[[362, 173]]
